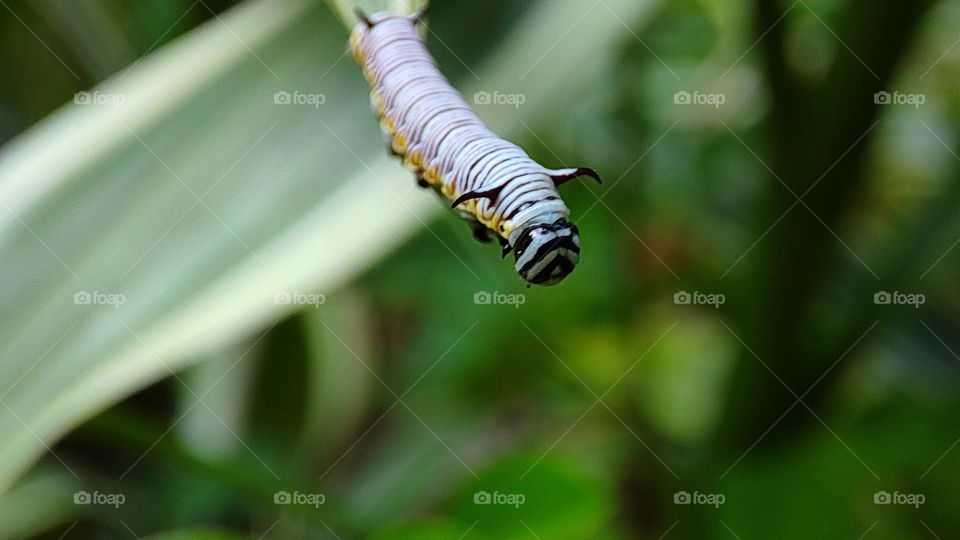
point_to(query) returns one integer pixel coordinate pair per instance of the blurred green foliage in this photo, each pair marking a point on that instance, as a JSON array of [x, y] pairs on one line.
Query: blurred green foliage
[[599, 401]]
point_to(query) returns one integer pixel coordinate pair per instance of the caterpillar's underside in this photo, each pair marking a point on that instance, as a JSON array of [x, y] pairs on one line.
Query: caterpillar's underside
[[494, 185]]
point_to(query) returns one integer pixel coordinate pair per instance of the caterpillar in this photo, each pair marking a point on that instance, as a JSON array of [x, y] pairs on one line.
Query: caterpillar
[[492, 183]]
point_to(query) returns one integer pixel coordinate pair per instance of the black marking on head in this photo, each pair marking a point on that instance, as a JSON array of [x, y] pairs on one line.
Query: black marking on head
[[547, 253]]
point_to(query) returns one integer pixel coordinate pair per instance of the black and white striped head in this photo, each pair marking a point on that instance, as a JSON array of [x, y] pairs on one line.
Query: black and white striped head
[[547, 253]]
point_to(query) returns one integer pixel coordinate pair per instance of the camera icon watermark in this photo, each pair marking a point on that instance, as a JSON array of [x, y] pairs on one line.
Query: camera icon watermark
[[908, 499], [485, 298], [697, 298], [897, 298], [497, 98], [98, 298], [299, 98], [709, 499], [896, 98], [99, 98], [698, 98], [296, 298], [300, 499], [515, 500], [85, 498]]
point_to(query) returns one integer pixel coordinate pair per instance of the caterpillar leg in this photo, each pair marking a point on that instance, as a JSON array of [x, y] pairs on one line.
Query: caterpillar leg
[[421, 181], [484, 236], [480, 231]]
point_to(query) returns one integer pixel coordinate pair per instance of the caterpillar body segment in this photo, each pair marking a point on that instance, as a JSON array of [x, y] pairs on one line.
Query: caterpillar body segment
[[492, 183]]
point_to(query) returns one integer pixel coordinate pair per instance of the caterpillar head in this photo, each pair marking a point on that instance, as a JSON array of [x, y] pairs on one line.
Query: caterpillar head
[[547, 253]]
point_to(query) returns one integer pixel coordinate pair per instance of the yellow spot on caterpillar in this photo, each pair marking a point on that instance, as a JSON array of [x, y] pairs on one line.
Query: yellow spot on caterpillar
[[387, 126], [413, 161], [356, 49], [417, 160], [399, 143]]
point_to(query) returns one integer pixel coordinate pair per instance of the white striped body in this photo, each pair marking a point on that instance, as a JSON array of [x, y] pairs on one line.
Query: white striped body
[[444, 142]]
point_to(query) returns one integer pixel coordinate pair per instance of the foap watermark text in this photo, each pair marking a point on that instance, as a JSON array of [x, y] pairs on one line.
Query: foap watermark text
[[699, 98], [697, 298], [99, 98], [708, 499], [296, 298], [101, 499], [897, 298], [908, 499], [896, 98], [98, 298], [484, 298], [498, 98], [300, 499], [299, 98], [515, 500]]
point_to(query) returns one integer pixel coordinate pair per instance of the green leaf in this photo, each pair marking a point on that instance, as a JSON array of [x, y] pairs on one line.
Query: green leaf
[[43, 501], [212, 430]]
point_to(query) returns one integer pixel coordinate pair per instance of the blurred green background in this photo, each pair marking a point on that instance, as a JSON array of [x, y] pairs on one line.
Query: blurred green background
[[225, 314]]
